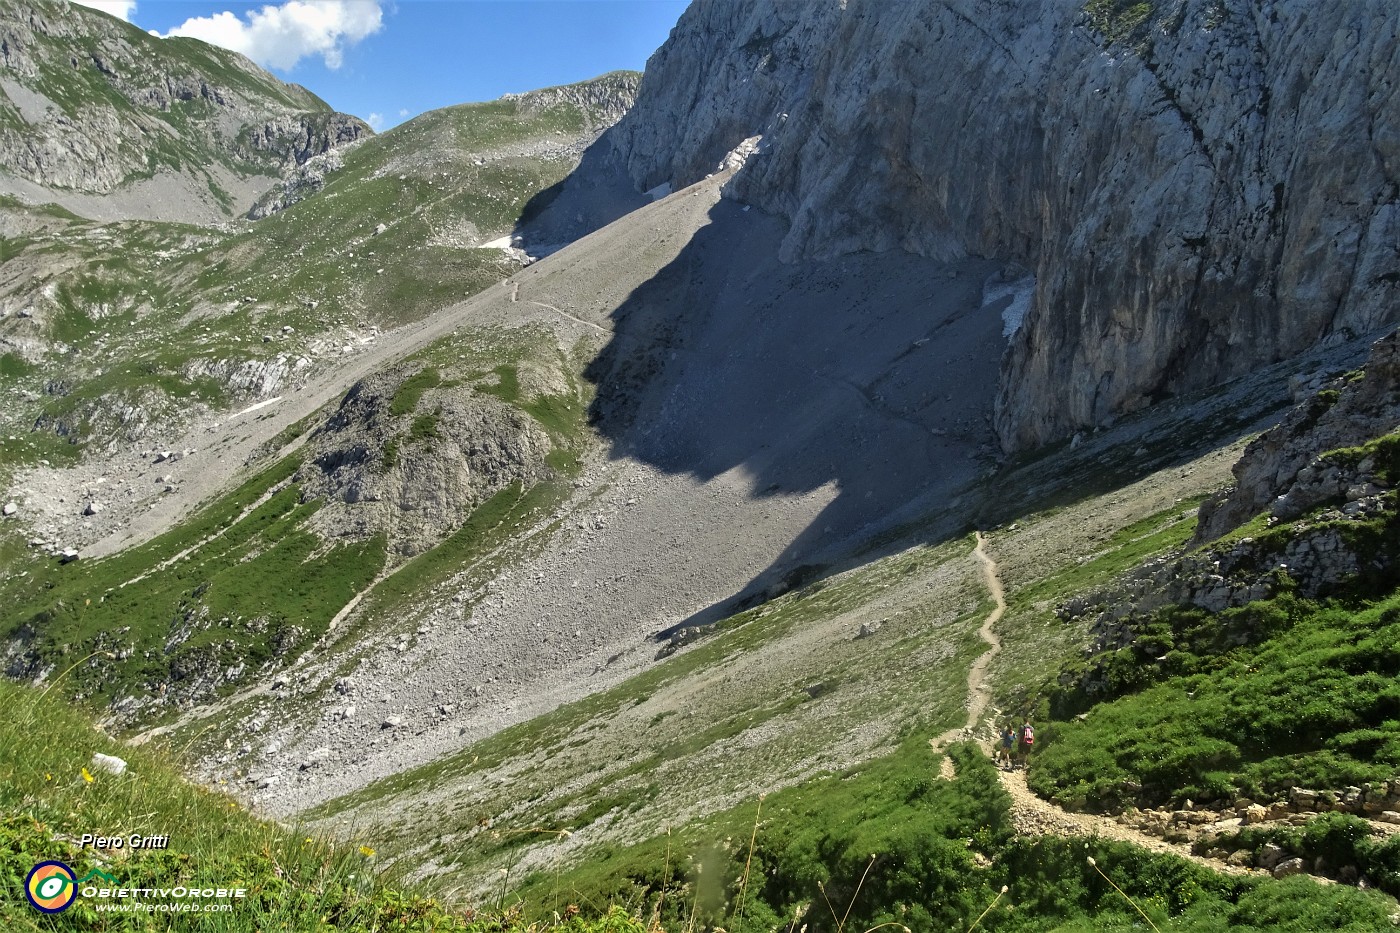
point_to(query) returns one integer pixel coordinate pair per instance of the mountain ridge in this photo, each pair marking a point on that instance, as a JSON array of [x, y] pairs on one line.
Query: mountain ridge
[[118, 124]]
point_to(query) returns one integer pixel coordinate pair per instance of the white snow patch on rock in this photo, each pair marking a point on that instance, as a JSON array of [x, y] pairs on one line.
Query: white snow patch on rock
[[1019, 290]]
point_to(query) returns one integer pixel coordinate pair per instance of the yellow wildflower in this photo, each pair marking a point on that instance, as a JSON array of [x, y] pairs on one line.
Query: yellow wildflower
[[366, 851], [87, 776]]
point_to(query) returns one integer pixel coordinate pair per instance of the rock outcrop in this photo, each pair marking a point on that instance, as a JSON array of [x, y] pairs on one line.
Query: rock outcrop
[[300, 184], [1200, 190], [1325, 479], [1282, 471], [415, 473], [600, 102]]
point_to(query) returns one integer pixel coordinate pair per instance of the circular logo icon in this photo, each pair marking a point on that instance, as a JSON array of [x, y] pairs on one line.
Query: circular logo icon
[[51, 887]]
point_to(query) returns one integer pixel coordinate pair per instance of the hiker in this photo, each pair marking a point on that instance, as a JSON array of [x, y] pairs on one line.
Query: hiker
[[1027, 740], [1008, 741]]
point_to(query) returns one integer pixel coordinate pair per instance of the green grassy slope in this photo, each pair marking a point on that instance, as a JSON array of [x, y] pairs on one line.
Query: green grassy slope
[[887, 843], [195, 611], [152, 316], [1280, 692], [246, 585], [906, 849], [51, 793]]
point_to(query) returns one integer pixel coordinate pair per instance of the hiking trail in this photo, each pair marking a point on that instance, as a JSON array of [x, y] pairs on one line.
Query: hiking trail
[[1031, 815]]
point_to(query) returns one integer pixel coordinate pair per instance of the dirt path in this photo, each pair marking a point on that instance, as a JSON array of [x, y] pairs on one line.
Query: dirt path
[[1031, 815], [564, 314], [977, 674]]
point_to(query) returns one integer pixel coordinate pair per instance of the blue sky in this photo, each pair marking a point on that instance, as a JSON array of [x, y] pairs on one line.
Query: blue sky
[[389, 60]]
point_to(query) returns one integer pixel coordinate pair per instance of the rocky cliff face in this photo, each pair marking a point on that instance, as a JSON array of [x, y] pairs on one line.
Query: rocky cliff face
[[1201, 186], [601, 102], [1286, 472], [1325, 482], [90, 104]]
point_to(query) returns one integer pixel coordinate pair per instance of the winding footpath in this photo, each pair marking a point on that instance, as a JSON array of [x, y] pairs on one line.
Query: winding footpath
[[1031, 815], [977, 674]]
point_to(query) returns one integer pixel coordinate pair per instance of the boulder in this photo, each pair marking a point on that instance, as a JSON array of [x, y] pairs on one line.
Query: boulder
[[315, 758], [1269, 856], [109, 763]]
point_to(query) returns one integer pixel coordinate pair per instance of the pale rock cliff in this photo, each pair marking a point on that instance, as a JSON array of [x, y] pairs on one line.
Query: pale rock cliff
[[1208, 190], [601, 101]]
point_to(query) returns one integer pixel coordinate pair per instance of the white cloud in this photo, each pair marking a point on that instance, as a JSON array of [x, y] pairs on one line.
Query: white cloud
[[121, 9], [281, 36], [403, 112], [375, 121]]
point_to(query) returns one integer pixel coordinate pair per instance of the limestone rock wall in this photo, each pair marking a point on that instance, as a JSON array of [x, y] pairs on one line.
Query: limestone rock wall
[[601, 102], [1201, 193]]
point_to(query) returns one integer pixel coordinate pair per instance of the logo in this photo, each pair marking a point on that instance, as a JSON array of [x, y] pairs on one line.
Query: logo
[[51, 887]]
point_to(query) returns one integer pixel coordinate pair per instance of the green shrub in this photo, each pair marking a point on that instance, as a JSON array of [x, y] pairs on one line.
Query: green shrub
[[1316, 705]]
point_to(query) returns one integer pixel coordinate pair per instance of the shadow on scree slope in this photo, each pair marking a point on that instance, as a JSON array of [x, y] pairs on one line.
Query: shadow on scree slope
[[872, 372]]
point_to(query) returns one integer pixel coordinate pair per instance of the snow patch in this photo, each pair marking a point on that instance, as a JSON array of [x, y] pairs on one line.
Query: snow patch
[[1016, 291], [251, 408], [660, 191], [740, 154]]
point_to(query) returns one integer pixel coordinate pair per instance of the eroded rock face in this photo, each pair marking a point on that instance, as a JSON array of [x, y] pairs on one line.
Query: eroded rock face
[[416, 476], [1212, 190], [601, 102]]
